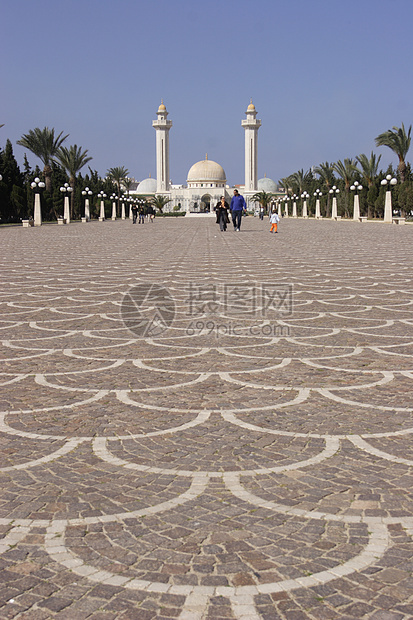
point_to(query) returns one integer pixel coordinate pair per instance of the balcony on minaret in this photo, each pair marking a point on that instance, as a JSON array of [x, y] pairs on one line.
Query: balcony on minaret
[[251, 121], [162, 121]]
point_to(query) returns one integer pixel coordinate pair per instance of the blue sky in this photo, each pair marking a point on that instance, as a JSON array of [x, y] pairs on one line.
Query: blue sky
[[326, 77]]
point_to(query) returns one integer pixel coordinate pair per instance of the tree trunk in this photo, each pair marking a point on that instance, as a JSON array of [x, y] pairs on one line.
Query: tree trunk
[[47, 171], [72, 181], [402, 170], [328, 212]]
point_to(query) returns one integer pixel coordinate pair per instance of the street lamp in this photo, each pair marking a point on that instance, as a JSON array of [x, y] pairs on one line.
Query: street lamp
[[123, 213], [36, 185], [113, 199], [317, 195], [101, 195], [129, 199], [356, 188], [388, 215], [86, 193], [295, 205], [66, 190], [304, 196], [286, 201], [334, 191]]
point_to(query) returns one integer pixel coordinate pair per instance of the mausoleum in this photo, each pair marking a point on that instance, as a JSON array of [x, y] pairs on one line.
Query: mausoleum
[[206, 180]]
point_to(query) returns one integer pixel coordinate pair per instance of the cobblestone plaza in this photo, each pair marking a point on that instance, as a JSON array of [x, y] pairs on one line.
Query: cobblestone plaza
[[243, 456]]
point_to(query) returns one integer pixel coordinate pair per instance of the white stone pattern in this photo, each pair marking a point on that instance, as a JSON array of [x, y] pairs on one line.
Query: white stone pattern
[[70, 328]]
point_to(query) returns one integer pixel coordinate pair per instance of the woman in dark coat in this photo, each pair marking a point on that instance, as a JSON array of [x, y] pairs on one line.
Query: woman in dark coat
[[221, 210]]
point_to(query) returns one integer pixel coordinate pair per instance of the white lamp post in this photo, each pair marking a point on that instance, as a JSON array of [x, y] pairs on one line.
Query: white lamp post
[[113, 199], [294, 205], [334, 191], [287, 200], [123, 213], [36, 185], [86, 193], [317, 195], [304, 196], [101, 195], [66, 190], [356, 188], [388, 215]]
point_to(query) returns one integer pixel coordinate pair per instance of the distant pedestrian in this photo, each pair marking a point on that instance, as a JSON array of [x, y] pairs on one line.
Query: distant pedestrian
[[221, 211], [141, 215], [274, 219], [261, 212], [134, 213], [238, 207]]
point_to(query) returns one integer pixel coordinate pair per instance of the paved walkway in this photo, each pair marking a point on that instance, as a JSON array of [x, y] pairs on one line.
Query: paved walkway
[[206, 425]]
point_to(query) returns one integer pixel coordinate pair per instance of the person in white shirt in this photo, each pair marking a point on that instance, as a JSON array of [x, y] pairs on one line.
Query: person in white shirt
[[274, 219]]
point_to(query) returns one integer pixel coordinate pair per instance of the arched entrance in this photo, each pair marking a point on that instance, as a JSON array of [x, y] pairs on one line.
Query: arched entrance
[[206, 203]]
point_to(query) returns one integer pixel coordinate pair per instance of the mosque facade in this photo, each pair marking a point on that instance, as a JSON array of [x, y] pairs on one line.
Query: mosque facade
[[206, 180]]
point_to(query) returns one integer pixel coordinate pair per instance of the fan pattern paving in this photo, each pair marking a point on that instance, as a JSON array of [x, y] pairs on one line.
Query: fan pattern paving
[[238, 464]]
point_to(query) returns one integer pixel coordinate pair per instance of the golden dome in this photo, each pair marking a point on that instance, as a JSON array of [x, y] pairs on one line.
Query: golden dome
[[162, 107], [251, 107]]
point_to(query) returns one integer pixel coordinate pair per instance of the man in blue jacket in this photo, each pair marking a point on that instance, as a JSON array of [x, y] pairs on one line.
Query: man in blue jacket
[[237, 207]]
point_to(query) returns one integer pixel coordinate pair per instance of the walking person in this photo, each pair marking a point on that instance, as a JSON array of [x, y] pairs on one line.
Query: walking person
[[221, 211], [274, 219], [141, 215], [238, 207], [261, 212], [134, 213]]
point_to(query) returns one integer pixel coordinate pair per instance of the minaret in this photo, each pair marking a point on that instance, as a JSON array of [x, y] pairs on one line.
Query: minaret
[[251, 126], [162, 127]]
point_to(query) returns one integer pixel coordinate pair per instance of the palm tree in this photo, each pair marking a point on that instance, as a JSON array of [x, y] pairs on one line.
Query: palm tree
[[369, 168], [399, 142], [286, 184], [346, 170], [299, 180], [127, 184], [263, 198], [43, 144], [118, 175], [159, 202], [72, 159], [326, 173]]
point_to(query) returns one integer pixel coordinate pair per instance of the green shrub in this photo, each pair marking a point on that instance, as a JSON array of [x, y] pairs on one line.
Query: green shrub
[[172, 214]]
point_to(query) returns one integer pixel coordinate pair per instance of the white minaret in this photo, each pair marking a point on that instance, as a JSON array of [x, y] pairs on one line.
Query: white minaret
[[251, 126], [162, 127]]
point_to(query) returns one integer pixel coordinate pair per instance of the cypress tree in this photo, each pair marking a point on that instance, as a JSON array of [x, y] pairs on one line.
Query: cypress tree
[[10, 210]]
